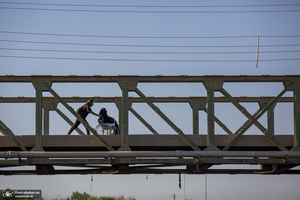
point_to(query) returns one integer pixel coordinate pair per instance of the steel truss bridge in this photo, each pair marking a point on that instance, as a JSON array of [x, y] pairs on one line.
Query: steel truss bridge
[[155, 153]]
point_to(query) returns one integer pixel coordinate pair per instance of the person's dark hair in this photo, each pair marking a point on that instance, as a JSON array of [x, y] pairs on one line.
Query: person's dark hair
[[103, 111], [90, 100]]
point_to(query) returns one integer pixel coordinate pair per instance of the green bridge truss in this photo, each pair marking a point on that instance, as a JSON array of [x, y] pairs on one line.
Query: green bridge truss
[[157, 153]]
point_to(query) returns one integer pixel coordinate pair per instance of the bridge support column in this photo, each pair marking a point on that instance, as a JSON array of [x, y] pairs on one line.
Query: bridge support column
[[270, 115], [296, 120], [39, 88], [126, 86], [295, 87], [211, 87], [196, 106], [38, 120], [48, 105], [118, 103]]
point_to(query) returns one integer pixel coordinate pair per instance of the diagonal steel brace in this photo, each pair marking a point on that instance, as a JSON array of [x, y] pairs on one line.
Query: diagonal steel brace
[[223, 126], [253, 120], [143, 121], [164, 117], [243, 110], [6, 131], [68, 120]]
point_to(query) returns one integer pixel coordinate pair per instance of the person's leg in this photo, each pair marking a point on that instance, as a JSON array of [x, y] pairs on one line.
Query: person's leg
[[87, 130], [118, 130], [76, 124], [112, 120]]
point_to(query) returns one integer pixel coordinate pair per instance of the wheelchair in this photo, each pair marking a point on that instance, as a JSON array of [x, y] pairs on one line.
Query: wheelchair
[[106, 128]]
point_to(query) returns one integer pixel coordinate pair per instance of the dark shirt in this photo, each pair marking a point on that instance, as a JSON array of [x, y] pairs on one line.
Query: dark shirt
[[105, 117], [84, 110]]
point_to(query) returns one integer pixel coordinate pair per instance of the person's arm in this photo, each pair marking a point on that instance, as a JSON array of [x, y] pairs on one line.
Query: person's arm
[[89, 110], [95, 114]]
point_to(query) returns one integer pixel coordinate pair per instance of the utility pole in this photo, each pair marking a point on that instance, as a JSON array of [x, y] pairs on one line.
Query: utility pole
[[205, 186], [92, 185]]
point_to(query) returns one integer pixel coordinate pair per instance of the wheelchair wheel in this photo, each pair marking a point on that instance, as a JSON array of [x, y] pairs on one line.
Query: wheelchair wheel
[[99, 130]]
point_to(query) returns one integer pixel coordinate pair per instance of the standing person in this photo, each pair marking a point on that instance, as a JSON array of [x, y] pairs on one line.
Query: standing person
[[83, 111]]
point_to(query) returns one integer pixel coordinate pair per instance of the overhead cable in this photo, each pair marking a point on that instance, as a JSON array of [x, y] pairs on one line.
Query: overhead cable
[[151, 6], [141, 45], [145, 37], [123, 36], [148, 60], [154, 11], [143, 52]]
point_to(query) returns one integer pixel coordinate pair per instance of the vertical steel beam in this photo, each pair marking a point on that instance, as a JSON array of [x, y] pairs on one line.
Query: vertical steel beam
[[296, 120], [38, 120], [48, 105], [124, 121], [46, 121], [211, 87], [295, 87], [270, 115], [39, 84], [126, 85], [195, 122], [196, 106], [39, 113], [210, 117], [118, 103]]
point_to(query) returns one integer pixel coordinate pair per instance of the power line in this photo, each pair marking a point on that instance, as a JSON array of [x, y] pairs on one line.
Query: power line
[[144, 37], [151, 12], [121, 36], [118, 45], [152, 6], [140, 45], [147, 60], [141, 52]]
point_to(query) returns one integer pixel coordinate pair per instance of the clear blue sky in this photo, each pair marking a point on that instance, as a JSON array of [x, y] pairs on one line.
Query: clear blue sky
[[150, 38]]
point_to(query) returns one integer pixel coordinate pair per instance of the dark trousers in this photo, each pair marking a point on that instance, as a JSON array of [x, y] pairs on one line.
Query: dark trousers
[[76, 124]]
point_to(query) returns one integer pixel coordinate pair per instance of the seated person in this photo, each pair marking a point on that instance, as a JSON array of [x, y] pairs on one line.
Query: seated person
[[106, 119]]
